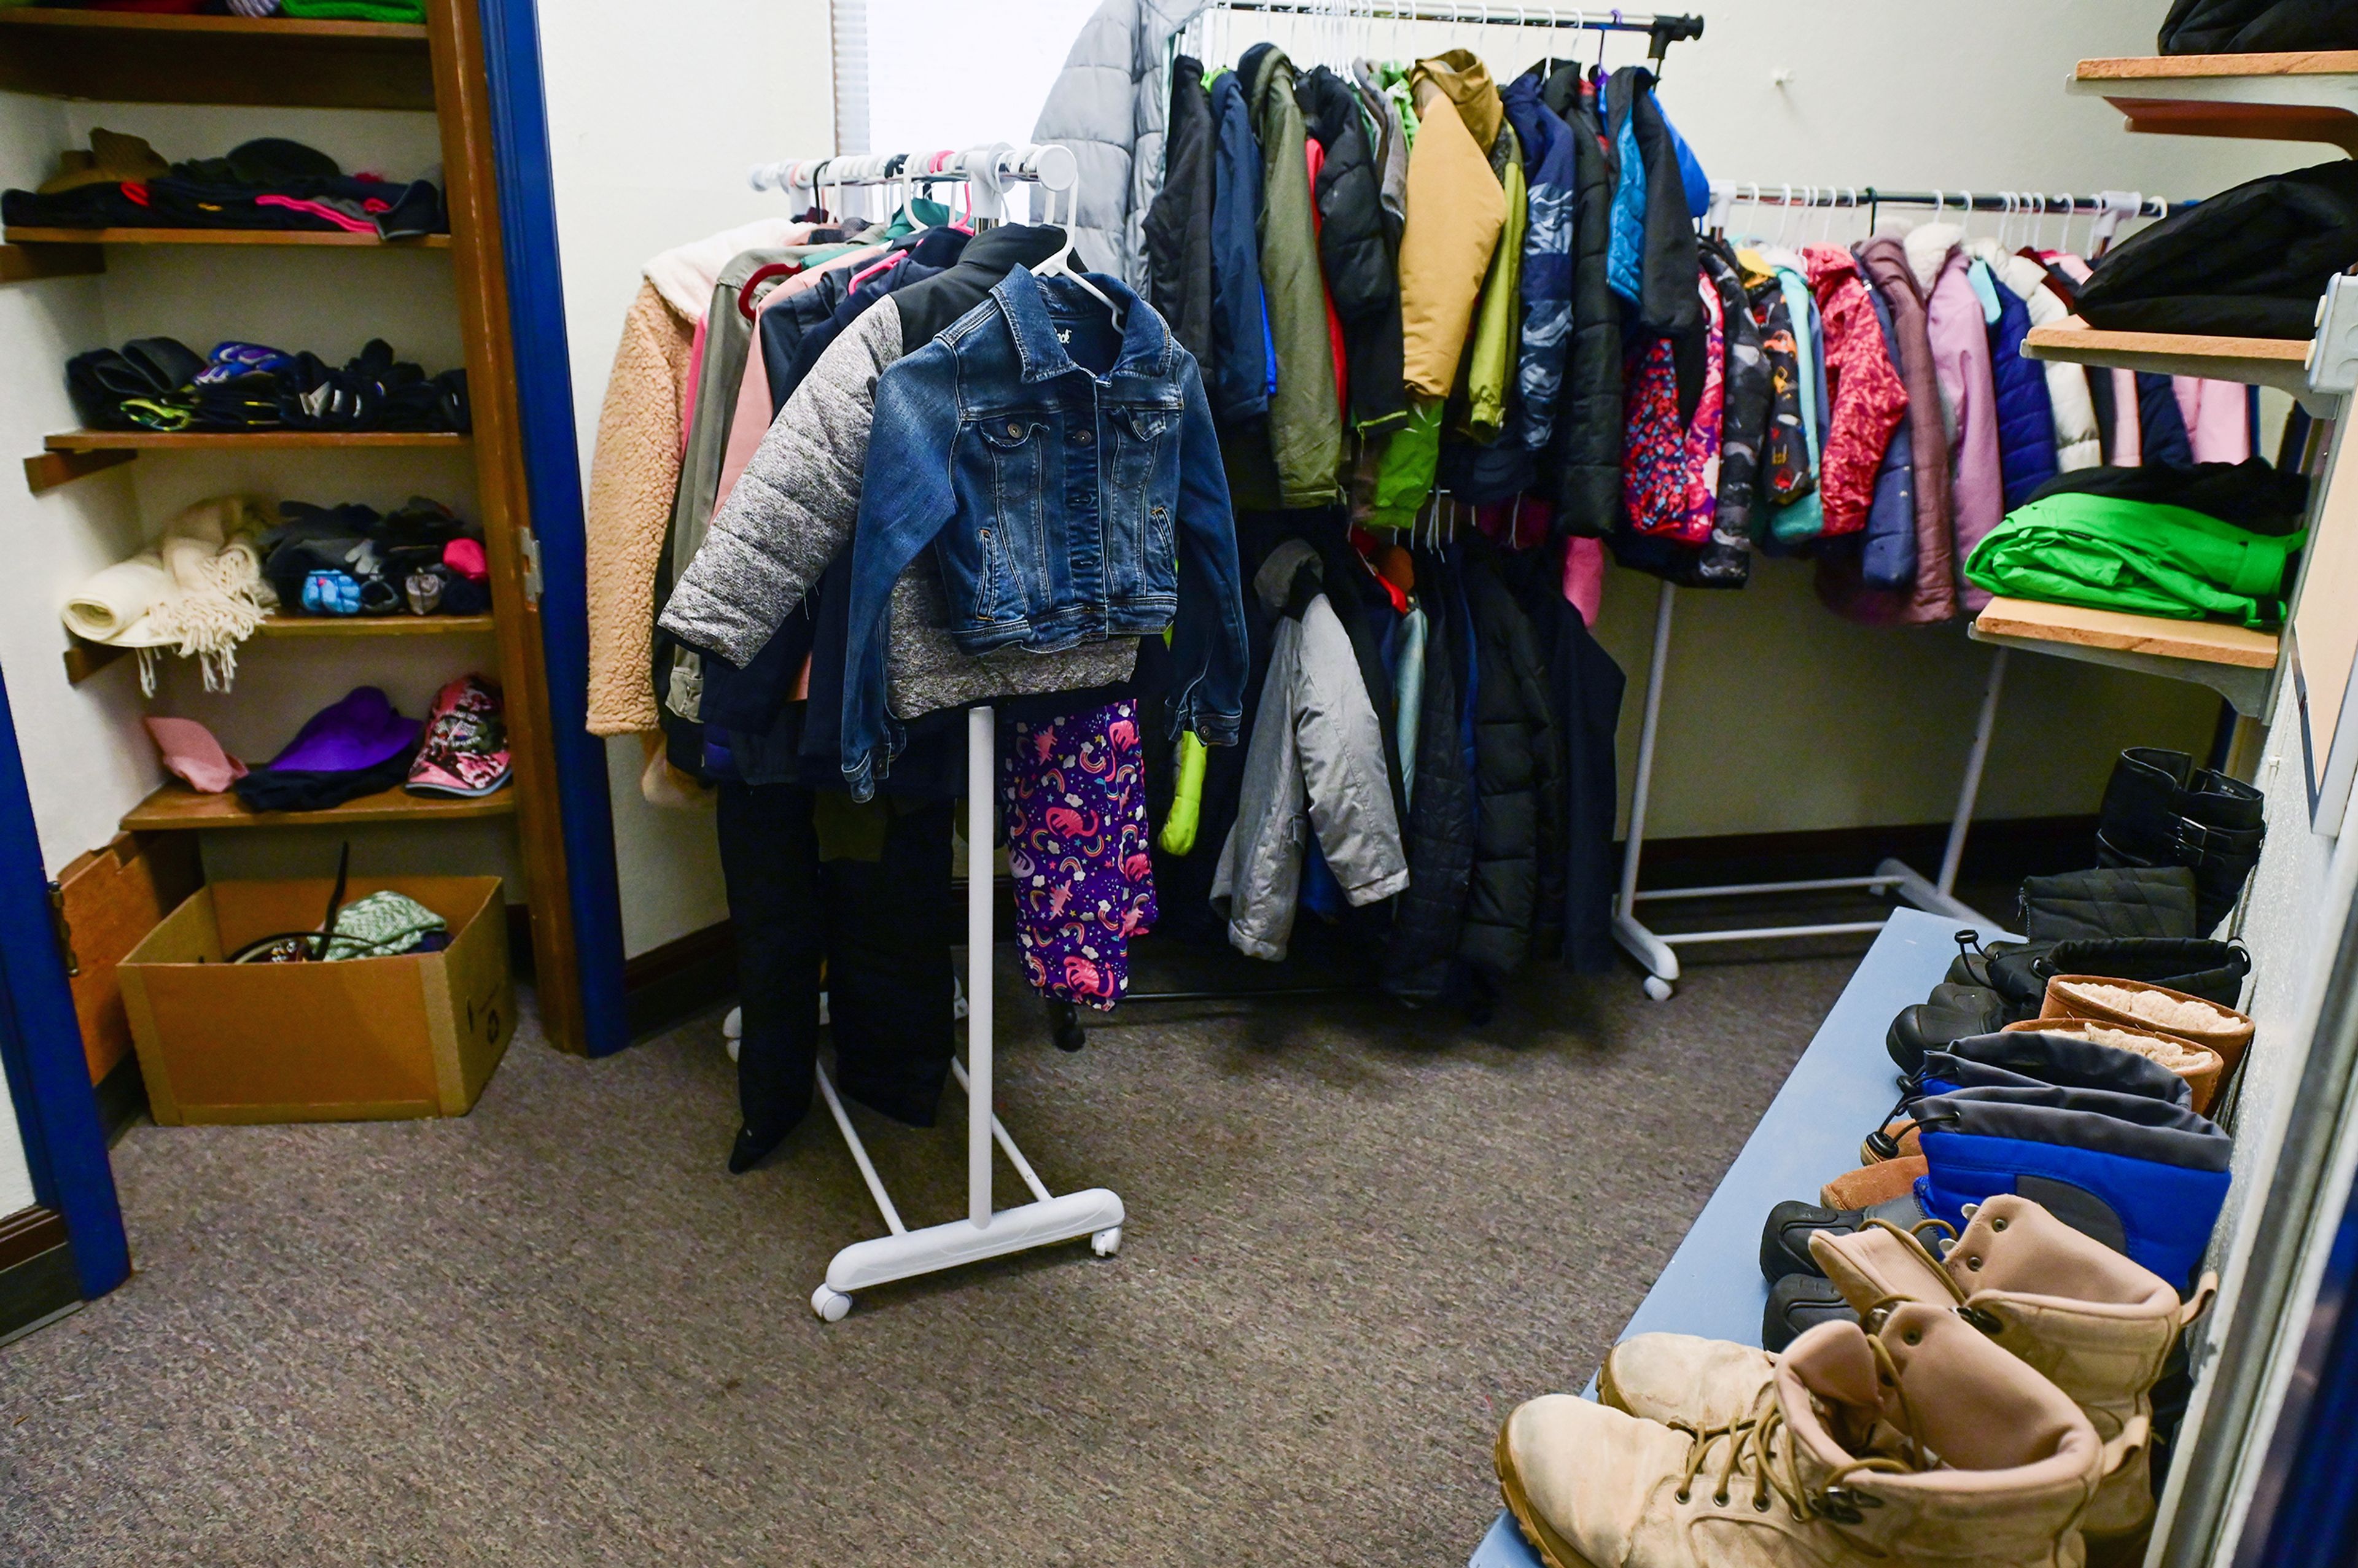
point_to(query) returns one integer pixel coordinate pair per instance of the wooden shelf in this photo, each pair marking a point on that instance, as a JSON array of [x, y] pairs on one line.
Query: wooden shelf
[[242, 440], [133, 58], [176, 807], [84, 659], [2280, 363], [337, 237], [2235, 661], [2310, 96], [402, 625]]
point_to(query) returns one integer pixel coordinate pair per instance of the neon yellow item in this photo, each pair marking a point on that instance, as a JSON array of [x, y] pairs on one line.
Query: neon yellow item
[[1178, 835]]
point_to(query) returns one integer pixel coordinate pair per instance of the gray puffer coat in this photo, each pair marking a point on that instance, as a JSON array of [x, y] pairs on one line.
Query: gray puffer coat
[[1315, 763], [1108, 106]]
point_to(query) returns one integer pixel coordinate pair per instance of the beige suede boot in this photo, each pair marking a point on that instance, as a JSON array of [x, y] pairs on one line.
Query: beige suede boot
[[1923, 1444], [2097, 1325]]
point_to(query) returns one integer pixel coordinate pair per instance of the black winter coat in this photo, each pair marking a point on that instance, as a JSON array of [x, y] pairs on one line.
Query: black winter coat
[[1439, 829], [1355, 251], [1585, 450], [1517, 777], [1179, 224], [1584, 689], [1668, 304]]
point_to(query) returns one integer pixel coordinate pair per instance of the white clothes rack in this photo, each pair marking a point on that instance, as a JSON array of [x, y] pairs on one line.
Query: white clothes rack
[[987, 1231], [1656, 952]]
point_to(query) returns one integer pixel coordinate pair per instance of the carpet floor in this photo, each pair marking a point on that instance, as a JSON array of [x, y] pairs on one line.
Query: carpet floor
[[555, 1331]]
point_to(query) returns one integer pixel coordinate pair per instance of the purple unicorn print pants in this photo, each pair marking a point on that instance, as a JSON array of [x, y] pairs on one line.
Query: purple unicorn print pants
[[1076, 836]]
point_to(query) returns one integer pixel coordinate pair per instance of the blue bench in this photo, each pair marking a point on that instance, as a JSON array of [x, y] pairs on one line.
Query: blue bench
[[1712, 1285]]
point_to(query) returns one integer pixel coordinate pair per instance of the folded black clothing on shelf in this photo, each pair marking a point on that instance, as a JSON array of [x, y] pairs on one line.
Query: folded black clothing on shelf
[[303, 789], [2247, 263], [269, 183], [160, 384], [2255, 494]]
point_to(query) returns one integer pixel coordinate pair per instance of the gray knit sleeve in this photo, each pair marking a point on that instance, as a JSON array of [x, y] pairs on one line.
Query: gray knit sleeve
[[796, 504]]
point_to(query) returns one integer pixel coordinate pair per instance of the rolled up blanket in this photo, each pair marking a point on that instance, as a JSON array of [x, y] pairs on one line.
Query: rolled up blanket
[[113, 606]]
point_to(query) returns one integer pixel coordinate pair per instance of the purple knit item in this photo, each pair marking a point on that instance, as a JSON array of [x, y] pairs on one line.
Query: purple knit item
[[1077, 837], [359, 731]]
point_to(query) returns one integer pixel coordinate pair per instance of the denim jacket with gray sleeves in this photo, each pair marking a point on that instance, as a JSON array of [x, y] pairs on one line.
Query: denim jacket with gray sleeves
[[1064, 506]]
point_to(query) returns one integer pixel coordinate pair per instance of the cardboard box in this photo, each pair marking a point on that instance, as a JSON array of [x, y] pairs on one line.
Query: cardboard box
[[366, 1039]]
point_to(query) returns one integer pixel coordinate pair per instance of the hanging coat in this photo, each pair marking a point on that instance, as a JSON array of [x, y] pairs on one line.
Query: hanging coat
[[1888, 544], [1428, 916], [1305, 426], [1239, 382], [1362, 272], [2026, 417], [1106, 104], [1961, 359], [1744, 396], [1490, 365], [1178, 229], [1518, 776], [1784, 468], [1549, 175], [1868, 398], [1932, 595], [1585, 447], [1455, 211], [2073, 415]]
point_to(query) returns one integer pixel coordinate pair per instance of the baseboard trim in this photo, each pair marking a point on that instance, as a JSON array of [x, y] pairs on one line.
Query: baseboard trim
[[122, 1098], [39, 1283], [682, 977], [2004, 850]]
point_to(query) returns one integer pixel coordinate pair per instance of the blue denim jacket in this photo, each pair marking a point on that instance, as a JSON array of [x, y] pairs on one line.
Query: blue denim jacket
[[1063, 506]]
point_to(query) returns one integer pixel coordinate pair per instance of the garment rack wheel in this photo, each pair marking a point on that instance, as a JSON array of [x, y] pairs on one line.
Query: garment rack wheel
[[1064, 1025]]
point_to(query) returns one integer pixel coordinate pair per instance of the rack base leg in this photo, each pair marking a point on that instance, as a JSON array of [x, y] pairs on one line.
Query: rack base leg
[[1653, 955], [1095, 1214]]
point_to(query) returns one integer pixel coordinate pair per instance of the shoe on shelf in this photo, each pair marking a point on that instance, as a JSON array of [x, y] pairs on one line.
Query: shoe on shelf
[[1785, 1236], [2021, 1058], [1872, 1185], [1922, 1444], [2141, 1004], [2159, 809], [2199, 1065], [1954, 1012]]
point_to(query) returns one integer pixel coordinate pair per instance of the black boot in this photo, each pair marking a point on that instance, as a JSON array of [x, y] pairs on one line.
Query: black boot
[[2161, 810], [1954, 1012], [1797, 1303], [1785, 1239]]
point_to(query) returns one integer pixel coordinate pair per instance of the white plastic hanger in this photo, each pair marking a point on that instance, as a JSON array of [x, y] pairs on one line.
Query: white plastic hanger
[[1061, 263]]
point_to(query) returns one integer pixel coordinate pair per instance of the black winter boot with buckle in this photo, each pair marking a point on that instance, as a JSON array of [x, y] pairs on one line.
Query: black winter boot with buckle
[[2161, 810]]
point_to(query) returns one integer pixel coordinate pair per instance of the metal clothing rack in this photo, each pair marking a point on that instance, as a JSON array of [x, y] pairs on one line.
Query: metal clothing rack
[[1656, 952], [985, 1232], [1662, 30]]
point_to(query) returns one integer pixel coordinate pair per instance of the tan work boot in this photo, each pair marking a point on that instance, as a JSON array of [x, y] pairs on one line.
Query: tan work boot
[[1923, 1444], [2096, 1324]]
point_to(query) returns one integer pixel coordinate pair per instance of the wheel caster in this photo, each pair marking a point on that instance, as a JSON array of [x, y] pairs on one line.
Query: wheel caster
[[832, 1306], [1657, 988], [1107, 1242]]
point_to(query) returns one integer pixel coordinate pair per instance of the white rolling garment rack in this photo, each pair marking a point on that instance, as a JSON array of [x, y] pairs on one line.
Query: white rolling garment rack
[[1656, 951], [1048, 1220]]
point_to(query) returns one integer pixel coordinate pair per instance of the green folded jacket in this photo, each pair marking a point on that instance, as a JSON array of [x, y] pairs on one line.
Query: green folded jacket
[[356, 10], [2137, 556]]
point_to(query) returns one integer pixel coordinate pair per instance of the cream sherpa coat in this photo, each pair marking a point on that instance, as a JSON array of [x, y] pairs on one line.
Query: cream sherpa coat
[[631, 477]]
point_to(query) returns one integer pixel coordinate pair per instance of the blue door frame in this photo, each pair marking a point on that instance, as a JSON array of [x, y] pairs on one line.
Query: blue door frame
[[544, 373], [2305, 1511], [40, 1043]]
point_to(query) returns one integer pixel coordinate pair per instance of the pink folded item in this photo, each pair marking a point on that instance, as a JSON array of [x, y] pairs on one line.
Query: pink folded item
[[465, 556], [191, 753]]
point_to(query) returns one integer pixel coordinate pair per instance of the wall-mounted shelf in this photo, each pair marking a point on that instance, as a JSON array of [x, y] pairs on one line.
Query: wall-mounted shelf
[[2310, 96], [47, 471], [43, 240], [2234, 661], [176, 807], [84, 659], [2280, 363], [26, 263], [134, 57], [241, 440]]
